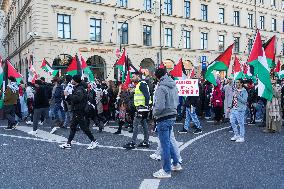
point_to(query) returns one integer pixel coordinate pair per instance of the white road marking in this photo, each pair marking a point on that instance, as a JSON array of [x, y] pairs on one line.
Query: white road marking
[[127, 134], [47, 137], [43, 134], [150, 184], [199, 137]]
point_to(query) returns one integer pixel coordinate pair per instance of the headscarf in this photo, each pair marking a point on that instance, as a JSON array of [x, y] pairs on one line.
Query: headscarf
[[14, 87]]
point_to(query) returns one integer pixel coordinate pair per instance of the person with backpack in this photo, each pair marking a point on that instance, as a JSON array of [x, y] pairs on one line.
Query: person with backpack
[[78, 105]]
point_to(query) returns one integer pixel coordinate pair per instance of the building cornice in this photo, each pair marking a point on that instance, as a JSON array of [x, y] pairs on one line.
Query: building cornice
[[58, 8]]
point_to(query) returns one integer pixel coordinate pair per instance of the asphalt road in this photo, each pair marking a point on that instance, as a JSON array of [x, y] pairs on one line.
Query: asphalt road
[[210, 161]]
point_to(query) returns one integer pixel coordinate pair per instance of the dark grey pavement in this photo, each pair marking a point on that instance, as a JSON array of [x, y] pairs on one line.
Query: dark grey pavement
[[213, 161]]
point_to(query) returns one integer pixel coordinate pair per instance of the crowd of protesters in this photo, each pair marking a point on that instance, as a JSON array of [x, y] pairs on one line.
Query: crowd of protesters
[[76, 103]]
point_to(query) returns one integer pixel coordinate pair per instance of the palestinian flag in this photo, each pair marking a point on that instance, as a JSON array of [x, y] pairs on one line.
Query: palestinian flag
[[238, 73], [47, 68], [32, 73], [12, 72], [179, 72], [120, 65], [277, 69], [270, 51], [128, 80], [1, 74], [221, 63], [258, 60], [75, 67], [87, 71]]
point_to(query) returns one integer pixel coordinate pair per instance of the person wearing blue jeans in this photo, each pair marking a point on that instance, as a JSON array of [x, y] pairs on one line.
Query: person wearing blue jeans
[[164, 129], [157, 154], [238, 110], [165, 112], [191, 102]]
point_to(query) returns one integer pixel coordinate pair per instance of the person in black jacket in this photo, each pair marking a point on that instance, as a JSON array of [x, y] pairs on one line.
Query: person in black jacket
[[78, 105], [41, 105], [58, 98]]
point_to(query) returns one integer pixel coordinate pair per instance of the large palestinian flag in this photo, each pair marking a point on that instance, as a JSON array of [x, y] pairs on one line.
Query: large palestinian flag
[[258, 60], [47, 68], [87, 71], [221, 63], [75, 67], [12, 72], [238, 73], [120, 65], [270, 51], [178, 72]]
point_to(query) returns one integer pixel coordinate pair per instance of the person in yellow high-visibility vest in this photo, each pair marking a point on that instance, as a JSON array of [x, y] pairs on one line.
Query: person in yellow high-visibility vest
[[141, 103]]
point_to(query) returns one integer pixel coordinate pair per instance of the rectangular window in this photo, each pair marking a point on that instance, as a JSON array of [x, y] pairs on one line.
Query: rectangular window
[[262, 22], [237, 44], [186, 40], [250, 20], [122, 3], [237, 18], [147, 35], [168, 7], [272, 2], [261, 1], [96, 29], [204, 9], [187, 8], [168, 37], [221, 43], [273, 24], [204, 40], [283, 26], [148, 5], [64, 26], [221, 15], [123, 32], [250, 44]]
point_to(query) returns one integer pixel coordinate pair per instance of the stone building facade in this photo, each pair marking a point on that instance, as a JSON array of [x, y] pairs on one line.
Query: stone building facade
[[195, 30]]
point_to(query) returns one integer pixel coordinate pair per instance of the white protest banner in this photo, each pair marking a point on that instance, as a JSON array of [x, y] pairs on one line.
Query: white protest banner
[[187, 87]]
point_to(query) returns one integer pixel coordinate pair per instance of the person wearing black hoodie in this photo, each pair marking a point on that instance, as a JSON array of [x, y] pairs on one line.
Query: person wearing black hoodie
[[78, 104], [41, 105]]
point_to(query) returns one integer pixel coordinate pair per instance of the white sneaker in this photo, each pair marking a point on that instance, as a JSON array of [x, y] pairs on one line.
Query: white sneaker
[[155, 157], [93, 145], [65, 146], [161, 174], [234, 138], [177, 167], [29, 122], [207, 117], [258, 120], [240, 139], [53, 130], [40, 123], [33, 132]]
